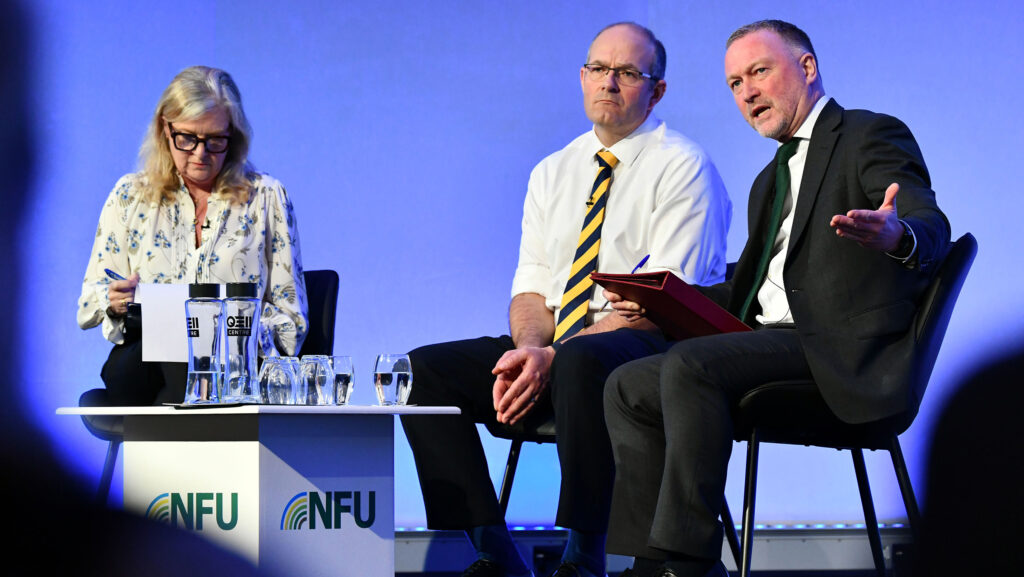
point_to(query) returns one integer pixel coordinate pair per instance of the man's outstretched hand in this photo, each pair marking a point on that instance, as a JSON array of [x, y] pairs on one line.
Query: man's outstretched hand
[[876, 229]]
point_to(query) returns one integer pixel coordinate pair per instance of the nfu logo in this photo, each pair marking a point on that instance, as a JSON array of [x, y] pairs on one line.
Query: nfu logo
[[189, 510], [328, 508]]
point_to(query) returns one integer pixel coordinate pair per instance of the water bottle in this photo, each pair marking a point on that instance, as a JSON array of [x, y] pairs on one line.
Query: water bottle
[[204, 314], [241, 328]]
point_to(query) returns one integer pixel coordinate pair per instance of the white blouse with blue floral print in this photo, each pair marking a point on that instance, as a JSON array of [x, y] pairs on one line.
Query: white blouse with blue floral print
[[257, 242]]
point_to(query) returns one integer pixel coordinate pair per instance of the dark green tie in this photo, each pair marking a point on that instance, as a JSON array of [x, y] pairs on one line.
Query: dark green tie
[[782, 156]]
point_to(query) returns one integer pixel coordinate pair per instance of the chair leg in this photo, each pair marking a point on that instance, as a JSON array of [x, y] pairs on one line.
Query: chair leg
[[103, 491], [510, 474], [870, 519], [730, 533], [748, 503], [903, 478]]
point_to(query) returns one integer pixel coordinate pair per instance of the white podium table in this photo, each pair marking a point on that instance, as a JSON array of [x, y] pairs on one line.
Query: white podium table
[[297, 490]]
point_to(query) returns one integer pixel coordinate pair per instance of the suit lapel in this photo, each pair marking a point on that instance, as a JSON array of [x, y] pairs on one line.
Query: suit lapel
[[819, 154], [758, 205]]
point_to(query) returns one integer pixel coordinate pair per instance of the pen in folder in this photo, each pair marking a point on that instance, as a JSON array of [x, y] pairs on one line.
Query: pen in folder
[[116, 276], [642, 262]]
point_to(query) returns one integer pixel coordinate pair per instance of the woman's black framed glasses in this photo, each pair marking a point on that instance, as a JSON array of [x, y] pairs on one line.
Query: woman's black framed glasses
[[187, 142]]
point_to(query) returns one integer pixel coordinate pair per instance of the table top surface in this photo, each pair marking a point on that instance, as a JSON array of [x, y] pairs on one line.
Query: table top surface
[[261, 410]]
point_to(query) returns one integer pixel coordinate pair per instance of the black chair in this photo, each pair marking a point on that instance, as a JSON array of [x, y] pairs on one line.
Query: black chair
[[322, 297], [793, 412], [536, 431], [106, 428]]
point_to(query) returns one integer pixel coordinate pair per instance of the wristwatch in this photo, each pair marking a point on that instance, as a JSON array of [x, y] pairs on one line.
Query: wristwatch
[[908, 244]]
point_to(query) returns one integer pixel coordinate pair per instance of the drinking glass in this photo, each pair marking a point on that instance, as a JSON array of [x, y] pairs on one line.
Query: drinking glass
[[392, 377], [343, 382], [319, 380], [276, 378], [299, 390]]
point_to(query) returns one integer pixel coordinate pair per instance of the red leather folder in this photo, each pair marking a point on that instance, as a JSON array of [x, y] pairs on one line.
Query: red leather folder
[[678, 308]]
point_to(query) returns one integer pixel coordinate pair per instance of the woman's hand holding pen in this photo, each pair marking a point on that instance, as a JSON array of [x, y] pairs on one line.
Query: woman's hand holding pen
[[121, 292]]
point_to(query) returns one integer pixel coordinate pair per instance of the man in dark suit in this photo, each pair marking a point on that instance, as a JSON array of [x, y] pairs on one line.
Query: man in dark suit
[[830, 278]]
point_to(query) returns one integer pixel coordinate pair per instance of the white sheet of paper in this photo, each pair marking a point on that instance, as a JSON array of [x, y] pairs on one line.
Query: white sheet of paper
[[163, 322]]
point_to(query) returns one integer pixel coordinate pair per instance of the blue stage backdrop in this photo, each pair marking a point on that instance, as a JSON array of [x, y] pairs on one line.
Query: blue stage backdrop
[[405, 132]]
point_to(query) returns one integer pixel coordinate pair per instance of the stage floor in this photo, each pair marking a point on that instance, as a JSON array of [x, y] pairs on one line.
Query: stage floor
[[828, 552]]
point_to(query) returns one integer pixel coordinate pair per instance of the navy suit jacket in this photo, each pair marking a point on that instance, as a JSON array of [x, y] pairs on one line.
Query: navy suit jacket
[[854, 307]]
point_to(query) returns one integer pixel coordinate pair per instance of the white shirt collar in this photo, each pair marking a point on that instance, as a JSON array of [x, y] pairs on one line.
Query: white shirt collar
[[807, 127], [629, 148]]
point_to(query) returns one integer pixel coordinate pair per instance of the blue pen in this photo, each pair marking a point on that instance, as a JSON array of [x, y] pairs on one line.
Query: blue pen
[[642, 262], [116, 276]]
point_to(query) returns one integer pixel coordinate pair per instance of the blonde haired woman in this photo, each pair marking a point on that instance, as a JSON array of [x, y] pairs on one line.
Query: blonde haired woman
[[197, 211]]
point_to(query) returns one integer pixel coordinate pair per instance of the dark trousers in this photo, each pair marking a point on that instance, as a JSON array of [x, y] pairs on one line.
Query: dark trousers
[[131, 382], [669, 417], [450, 461]]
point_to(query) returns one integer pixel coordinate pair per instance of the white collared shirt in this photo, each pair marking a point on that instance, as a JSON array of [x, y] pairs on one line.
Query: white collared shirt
[[666, 200], [772, 296]]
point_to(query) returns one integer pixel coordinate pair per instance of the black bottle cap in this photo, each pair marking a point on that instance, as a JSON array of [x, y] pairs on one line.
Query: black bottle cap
[[203, 291], [241, 289]]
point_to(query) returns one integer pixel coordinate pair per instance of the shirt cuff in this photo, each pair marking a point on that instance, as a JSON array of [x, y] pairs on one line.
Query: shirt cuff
[[901, 253]]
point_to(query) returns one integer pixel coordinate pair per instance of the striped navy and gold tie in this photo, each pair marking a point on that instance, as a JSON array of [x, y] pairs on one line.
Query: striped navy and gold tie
[[576, 298]]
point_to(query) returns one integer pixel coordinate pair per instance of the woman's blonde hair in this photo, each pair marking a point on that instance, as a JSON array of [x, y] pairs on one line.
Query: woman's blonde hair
[[193, 93]]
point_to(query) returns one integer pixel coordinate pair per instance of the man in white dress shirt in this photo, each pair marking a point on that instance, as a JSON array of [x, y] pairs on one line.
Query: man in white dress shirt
[[627, 189]]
